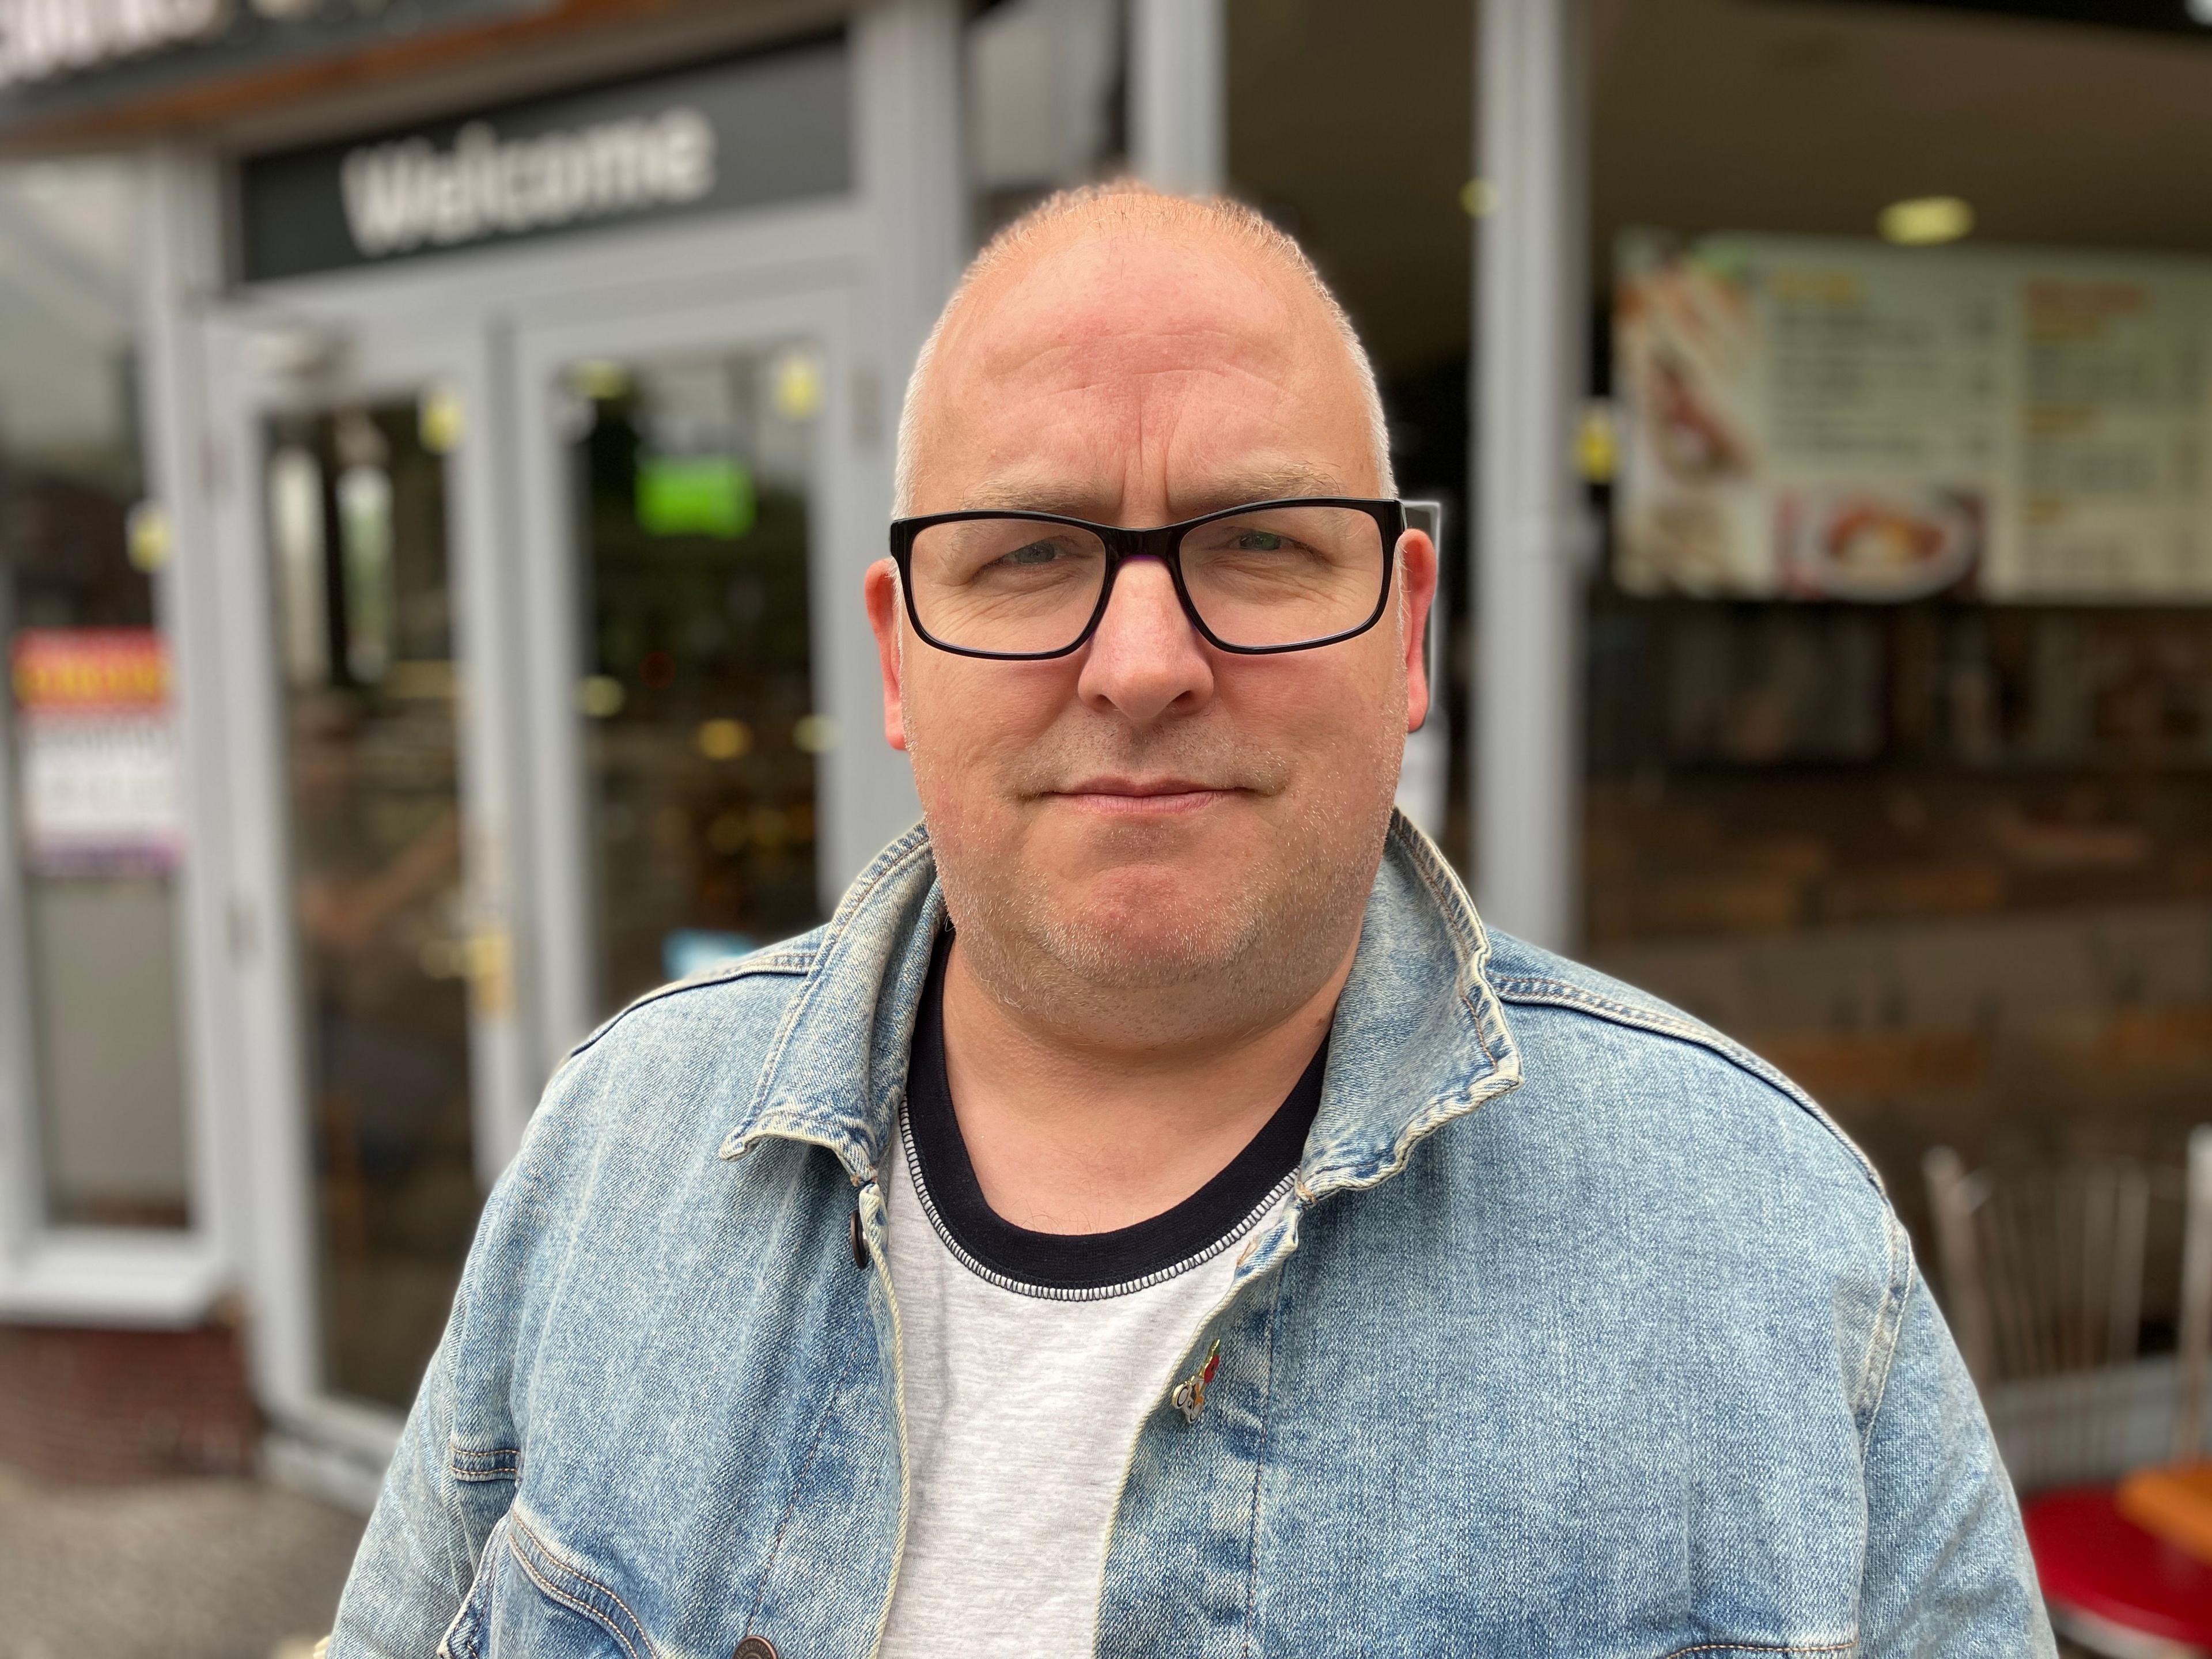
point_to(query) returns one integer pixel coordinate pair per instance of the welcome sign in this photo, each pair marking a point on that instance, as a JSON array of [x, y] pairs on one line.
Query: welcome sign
[[408, 194], [766, 128]]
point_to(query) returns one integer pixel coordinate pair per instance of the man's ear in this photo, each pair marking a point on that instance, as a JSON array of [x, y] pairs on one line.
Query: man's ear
[[880, 588], [1417, 579]]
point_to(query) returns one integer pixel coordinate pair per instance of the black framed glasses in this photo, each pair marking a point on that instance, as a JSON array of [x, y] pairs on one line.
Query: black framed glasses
[[1271, 576]]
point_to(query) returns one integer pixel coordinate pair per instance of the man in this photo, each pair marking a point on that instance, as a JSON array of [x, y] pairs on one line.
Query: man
[[1153, 1218]]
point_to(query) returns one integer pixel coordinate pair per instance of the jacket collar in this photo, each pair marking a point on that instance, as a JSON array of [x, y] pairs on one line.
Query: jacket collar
[[1405, 1057]]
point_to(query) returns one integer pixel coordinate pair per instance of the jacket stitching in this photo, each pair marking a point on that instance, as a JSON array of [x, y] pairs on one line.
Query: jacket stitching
[[1889, 1327], [1472, 939], [1541, 988], [1871, 1358], [574, 1603], [798, 1484], [892, 860], [497, 1463], [1466, 930], [1260, 1469], [598, 1616], [1764, 1647], [770, 962]]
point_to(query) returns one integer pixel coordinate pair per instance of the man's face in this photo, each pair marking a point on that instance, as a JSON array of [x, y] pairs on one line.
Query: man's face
[[1150, 811]]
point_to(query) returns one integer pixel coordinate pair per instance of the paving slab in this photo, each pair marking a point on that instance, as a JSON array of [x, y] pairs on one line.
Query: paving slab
[[175, 1569]]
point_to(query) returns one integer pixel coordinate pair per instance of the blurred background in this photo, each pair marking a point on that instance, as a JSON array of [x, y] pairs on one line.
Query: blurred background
[[440, 441]]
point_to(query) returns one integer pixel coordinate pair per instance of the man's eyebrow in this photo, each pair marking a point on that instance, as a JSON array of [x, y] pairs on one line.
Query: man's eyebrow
[[1274, 480], [1018, 494]]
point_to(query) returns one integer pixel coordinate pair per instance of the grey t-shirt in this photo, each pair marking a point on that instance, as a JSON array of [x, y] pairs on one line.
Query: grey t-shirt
[[1031, 1360]]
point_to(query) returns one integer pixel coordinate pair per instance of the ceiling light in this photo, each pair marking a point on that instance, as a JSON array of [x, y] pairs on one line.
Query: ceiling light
[[1925, 220]]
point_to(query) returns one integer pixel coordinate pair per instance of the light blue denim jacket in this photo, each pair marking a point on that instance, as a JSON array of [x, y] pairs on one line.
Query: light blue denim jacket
[[1584, 1333]]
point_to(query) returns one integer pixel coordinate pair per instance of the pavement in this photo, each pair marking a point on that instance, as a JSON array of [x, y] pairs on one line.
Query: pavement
[[176, 1570]]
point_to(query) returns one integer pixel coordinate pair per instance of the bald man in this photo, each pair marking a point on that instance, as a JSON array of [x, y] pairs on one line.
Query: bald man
[[1154, 1218]]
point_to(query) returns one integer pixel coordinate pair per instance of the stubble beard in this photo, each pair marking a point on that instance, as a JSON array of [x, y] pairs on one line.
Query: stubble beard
[[1233, 953]]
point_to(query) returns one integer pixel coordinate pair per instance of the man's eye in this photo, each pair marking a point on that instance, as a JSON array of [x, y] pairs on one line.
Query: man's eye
[[1259, 541], [1034, 553]]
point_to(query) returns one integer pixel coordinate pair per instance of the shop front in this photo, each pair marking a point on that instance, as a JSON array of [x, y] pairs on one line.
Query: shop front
[[455, 639], [552, 704]]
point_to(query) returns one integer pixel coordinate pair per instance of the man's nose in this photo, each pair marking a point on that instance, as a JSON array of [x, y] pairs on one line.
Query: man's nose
[[1146, 659]]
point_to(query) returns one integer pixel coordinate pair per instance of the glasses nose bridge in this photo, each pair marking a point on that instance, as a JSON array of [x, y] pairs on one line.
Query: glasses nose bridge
[[1158, 542], [1161, 542]]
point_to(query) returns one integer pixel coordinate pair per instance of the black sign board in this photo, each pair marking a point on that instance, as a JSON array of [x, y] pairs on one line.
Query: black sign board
[[768, 127], [65, 58], [2169, 17]]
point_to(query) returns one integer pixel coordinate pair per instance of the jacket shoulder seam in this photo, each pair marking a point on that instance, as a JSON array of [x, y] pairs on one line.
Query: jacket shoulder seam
[[1541, 988], [1888, 1332], [765, 964]]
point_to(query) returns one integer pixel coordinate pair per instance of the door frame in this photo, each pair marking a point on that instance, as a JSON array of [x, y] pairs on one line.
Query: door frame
[[265, 358], [495, 325]]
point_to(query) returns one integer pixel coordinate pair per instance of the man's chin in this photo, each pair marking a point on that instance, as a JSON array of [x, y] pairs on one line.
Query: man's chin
[[1152, 927]]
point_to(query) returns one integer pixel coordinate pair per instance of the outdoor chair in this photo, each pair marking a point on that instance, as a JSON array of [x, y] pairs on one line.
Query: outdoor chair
[[2051, 1276]]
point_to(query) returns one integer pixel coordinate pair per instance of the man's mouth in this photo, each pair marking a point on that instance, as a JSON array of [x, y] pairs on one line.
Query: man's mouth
[[1143, 797]]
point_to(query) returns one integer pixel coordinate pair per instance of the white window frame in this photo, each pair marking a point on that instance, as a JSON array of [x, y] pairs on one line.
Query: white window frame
[[104, 1276]]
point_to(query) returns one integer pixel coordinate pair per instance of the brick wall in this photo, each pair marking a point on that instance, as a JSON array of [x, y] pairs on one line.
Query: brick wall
[[112, 1405]]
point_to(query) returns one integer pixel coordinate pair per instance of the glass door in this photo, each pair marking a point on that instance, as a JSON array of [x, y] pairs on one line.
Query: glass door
[[363, 574], [690, 477], [708, 752], [379, 930]]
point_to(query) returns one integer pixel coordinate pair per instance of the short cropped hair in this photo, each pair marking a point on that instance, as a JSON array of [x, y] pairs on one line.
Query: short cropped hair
[[1133, 202]]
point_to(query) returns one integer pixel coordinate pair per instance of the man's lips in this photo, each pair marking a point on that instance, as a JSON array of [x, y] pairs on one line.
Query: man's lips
[[1144, 797]]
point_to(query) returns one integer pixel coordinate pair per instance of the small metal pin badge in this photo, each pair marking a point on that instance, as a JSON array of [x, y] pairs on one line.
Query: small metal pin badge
[[1190, 1395]]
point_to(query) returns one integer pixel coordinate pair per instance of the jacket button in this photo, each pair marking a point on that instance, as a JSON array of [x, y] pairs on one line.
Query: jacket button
[[755, 1647], [859, 1260]]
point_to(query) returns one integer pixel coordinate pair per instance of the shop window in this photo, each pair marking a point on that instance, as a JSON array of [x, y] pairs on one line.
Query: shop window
[[693, 507], [1351, 127], [94, 824], [1900, 661], [1047, 84]]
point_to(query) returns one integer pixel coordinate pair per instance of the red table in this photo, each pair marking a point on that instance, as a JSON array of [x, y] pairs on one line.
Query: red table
[[2106, 1577]]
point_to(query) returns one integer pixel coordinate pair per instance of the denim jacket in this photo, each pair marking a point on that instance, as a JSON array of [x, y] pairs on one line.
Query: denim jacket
[[1583, 1332]]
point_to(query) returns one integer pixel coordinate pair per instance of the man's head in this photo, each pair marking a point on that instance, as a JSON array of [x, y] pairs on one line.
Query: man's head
[[1150, 813]]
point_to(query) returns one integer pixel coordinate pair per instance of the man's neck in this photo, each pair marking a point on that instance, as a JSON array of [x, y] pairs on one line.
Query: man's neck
[[1077, 1131]]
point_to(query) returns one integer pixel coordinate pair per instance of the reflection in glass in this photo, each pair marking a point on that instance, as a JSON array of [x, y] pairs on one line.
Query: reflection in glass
[[357, 517], [696, 695], [93, 762]]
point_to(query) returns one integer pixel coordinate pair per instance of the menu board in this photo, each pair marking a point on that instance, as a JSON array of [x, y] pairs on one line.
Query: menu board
[[98, 753], [1830, 419]]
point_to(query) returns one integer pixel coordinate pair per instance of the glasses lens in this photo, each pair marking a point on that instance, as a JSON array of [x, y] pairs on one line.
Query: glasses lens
[[1015, 585], [1282, 575]]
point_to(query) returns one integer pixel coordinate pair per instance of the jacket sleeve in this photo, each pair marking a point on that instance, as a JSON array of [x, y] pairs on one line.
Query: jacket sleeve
[[454, 1471], [1948, 1568]]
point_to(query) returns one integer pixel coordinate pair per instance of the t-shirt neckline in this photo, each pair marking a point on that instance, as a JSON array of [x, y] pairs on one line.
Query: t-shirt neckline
[[1084, 1265]]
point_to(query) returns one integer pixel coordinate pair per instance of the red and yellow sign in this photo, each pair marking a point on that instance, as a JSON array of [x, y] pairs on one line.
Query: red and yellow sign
[[90, 668]]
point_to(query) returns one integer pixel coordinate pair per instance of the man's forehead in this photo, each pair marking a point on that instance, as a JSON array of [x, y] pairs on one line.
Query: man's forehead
[[1033, 485], [1131, 305], [1194, 354]]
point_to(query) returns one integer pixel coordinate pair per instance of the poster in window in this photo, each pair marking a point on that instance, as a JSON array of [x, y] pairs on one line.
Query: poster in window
[[95, 739], [1824, 419]]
